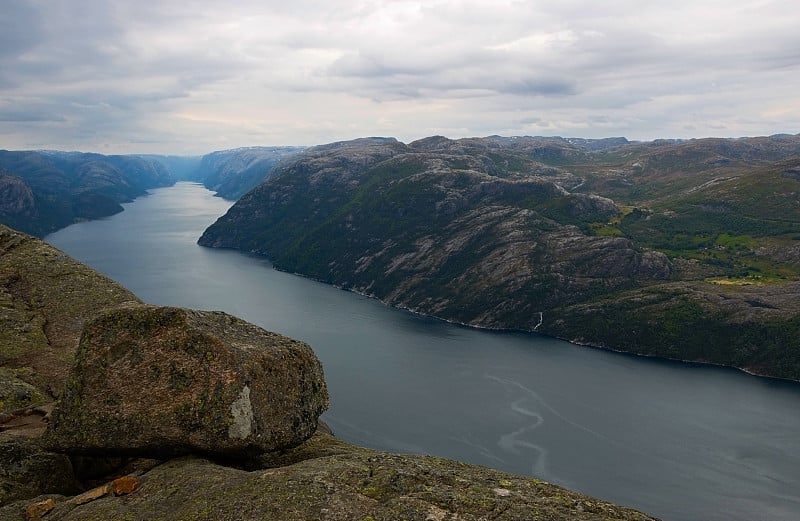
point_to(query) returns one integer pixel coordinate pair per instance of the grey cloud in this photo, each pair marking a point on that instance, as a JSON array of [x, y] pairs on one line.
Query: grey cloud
[[363, 65], [21, 115], [121, 71], [465, 74], [20, 28], [538, 87]]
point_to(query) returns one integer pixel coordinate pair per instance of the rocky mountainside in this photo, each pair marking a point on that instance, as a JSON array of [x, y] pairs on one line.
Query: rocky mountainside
[[42, 191], [686, 250], [168, 413], [232, 173]]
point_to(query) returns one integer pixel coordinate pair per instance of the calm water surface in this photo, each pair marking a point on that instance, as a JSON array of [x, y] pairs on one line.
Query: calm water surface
[[679, 441]]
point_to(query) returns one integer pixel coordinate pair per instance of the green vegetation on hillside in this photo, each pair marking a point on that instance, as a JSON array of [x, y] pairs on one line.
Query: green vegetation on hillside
[[492, 232]]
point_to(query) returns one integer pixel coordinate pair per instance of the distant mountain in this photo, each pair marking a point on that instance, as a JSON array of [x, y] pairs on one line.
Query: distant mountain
[[180, 168], [683, 249], [42, 191], [232, 173]]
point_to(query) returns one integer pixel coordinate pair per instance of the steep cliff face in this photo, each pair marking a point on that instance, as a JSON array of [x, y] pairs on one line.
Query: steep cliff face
[[17, 202], [479, 232]]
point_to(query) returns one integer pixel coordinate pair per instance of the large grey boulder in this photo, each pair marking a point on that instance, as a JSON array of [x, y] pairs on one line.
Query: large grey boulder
[[161, 381]]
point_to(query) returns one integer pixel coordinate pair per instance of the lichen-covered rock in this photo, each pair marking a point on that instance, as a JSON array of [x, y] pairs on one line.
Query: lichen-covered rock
[[45, 296], [16, 393], [161, 381], [337, 481], [27, 471]]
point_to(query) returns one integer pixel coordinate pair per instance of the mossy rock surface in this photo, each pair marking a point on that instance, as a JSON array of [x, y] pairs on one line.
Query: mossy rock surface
[[339, 482], [161, 381], [45, 297], [15, 393], [27, 470]]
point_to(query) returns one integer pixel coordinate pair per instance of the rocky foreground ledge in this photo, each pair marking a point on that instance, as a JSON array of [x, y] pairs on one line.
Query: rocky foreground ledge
[[324, 479], [174, 414]]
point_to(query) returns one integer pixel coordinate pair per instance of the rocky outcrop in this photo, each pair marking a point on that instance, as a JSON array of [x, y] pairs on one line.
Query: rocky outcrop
[[205, 382], [331, 480], [45, 296], [27, 470], [15, 393], [323, 478]]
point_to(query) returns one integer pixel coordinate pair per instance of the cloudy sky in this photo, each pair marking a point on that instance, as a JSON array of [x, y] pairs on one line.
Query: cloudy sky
[[192, 76]]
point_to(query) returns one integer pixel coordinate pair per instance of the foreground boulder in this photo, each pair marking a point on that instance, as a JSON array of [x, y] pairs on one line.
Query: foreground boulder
[[162, 381]]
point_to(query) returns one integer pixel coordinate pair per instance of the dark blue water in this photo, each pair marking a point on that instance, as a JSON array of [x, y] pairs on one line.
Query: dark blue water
[[679, 441]]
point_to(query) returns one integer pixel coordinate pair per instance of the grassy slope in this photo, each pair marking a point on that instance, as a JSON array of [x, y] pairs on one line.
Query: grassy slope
[[732, 227]]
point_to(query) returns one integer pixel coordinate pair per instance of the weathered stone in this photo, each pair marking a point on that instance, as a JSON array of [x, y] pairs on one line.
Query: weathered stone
[[30, 421], [161, 381], [28, 471], [45, 296], [336, 481], [16, 393]]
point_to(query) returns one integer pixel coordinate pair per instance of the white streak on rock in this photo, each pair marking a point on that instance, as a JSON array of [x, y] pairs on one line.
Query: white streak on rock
[[541, 319], [242, 411]]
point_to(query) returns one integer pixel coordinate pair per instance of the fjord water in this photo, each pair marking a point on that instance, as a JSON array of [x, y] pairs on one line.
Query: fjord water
[[680, 441]]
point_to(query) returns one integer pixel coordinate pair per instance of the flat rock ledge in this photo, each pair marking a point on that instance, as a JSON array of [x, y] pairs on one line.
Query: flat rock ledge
[[327, 479], [163, 381]]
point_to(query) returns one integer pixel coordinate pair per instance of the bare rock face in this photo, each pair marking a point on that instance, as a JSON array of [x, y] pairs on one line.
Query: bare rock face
[[45, 296], [162, 381], [16, 197], [27, 471]]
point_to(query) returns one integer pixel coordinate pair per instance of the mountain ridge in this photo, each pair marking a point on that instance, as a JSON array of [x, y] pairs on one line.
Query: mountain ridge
[[526, 234], [41, 192]]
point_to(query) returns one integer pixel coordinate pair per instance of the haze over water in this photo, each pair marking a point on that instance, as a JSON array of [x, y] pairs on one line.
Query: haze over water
[[679, 441]]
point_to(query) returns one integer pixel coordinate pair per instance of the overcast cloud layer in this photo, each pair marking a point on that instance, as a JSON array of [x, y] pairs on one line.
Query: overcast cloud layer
[[179, 76]]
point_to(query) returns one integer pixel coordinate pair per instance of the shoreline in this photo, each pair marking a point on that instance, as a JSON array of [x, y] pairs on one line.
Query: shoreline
[[700, 363]]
